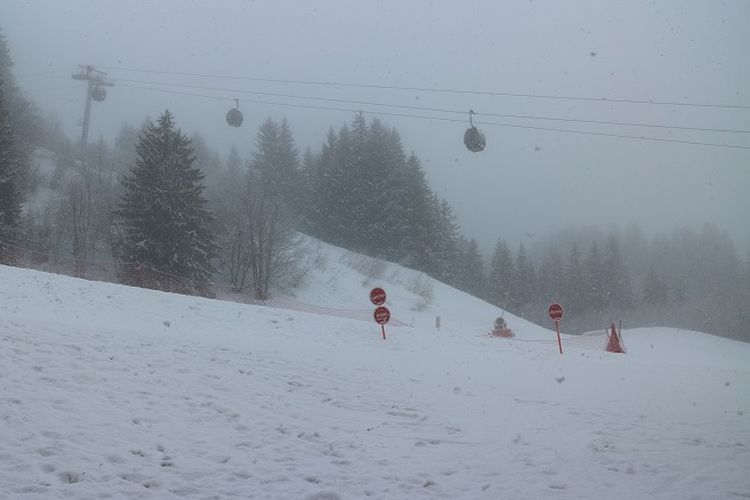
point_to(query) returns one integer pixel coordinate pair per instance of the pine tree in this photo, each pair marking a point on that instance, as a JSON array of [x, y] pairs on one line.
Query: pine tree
[[330, 190], [470, 269], [10, 197], [501, 274], [445, 243], [655, 289], [524, 279], [419, 220], [162, 219], [551, 277], [574, 283], [234, 162], [288, 167], [616, 278], [595, 290], [23, 118]]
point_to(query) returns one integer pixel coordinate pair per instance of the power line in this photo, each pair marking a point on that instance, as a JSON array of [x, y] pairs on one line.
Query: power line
[[444, 119], [439, 90], [439, 110]]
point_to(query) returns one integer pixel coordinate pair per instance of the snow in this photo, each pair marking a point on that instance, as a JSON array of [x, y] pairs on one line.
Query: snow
[[109, 391]]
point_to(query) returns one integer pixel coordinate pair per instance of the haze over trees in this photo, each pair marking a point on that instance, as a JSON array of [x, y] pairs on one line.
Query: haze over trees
[[160, 199], [10, 195]]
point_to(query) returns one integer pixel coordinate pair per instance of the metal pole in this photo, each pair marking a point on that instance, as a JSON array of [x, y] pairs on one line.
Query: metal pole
[[557, 329], [86, 116]]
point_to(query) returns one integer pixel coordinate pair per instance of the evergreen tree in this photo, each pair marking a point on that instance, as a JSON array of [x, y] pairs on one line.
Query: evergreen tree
[[616, 278], [655, 289], [23, 118], [288, 167], [551, 277], [574, 283], [500, 283], [162, 219], [524, 279], [419, 220], [595, 289], [445, 243], [330, 190], [470, 269], [10, 197], [234, 162]]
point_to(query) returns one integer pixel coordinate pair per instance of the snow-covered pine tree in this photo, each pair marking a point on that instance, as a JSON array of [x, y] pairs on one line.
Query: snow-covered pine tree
[[445, 243], [10, 197], [162, 221], [419, 220]]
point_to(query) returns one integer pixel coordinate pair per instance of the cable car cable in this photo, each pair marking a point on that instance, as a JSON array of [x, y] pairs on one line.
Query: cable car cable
[[439, 90], [445, 119], [441, 110]]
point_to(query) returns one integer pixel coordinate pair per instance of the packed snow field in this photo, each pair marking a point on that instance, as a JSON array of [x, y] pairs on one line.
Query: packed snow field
[[108, 391]]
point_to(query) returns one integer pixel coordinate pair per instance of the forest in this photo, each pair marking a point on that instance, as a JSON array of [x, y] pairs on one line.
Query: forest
[[160, 198]]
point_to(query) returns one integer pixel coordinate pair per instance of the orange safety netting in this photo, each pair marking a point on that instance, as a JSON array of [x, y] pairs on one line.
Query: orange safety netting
[[595, 341]]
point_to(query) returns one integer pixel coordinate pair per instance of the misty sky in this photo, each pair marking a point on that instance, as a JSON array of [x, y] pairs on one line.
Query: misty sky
[[527, 181]]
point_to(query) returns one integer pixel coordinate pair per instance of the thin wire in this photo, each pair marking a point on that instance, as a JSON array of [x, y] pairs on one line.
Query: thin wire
[[69, 87], [438, 90], [43, 73], [438, 110], [452, 120]]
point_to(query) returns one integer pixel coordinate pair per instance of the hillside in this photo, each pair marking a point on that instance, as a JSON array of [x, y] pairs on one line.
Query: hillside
[[110, 391]]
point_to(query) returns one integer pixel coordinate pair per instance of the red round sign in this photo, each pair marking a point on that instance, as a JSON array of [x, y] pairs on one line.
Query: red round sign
[[555, 312], [377, 296], [382, 315]]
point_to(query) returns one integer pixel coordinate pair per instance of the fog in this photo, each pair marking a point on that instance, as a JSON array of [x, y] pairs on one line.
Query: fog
[[528, 182]]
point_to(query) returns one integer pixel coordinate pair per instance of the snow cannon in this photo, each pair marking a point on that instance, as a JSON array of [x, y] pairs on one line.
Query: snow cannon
[[501, 329]]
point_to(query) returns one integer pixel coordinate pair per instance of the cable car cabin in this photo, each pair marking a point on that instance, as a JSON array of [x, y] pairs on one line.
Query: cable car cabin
[[474, 140], [98, 93], [234, 117]]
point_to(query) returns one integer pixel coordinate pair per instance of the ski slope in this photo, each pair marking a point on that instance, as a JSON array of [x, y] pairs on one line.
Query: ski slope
[[108, 391]]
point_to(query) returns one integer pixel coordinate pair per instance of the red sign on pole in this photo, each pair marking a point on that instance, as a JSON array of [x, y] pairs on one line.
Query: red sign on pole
[[377, 296], [556, 313], [382, 315]]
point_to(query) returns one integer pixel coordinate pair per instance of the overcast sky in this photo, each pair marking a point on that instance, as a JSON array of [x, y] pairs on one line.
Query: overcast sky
[[528, 181]]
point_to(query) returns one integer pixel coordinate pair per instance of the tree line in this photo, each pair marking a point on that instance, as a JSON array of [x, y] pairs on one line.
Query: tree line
[[159, 198], [691, 279]]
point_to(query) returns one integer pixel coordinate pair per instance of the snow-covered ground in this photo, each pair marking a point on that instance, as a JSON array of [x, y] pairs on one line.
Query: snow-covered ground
[[115, 392]]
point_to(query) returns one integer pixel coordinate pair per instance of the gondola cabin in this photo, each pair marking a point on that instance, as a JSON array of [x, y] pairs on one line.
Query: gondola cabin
[[98, 93]]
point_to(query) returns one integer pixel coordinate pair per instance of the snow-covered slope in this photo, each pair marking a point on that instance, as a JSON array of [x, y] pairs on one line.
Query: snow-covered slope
[[110, 391]]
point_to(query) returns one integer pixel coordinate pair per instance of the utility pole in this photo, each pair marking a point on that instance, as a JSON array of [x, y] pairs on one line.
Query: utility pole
[[96, 81]]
